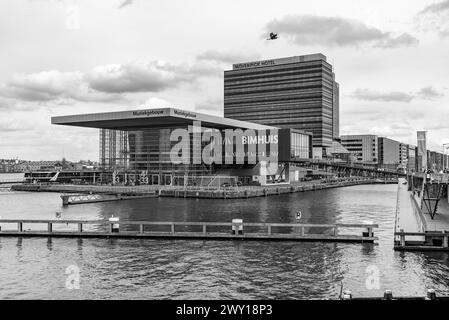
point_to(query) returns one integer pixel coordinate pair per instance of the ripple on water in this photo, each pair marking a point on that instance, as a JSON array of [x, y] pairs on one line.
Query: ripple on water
[[179, 269]]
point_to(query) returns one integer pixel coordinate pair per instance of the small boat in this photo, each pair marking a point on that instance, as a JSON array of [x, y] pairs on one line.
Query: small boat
[[405, 182]]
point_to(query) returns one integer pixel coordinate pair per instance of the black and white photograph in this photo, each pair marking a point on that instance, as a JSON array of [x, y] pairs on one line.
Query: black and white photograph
[[223, 156]]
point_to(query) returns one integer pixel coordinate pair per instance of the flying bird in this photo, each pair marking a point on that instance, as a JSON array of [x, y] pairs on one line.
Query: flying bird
[[273, 36]]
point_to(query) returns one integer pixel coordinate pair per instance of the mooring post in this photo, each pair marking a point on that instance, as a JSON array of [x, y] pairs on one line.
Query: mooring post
[[49, 227], [301, 231], [141, 230], [80, 227], [347, 295], [431, 294], [19, 226], [334, 231], [269, 229], [172, 228], [388, 295], [65, 200], [204, 228], [237, 226], [402, 238], [115, 227], [445, 240], [369, 229]]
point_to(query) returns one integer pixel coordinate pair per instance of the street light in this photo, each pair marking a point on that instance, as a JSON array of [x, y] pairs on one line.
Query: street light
[[444, 153]]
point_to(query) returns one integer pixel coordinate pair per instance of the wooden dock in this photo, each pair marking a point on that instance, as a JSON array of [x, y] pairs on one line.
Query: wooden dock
[[145, 229]]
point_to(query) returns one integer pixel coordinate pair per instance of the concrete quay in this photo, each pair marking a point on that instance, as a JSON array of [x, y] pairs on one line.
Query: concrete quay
[[200, 192]]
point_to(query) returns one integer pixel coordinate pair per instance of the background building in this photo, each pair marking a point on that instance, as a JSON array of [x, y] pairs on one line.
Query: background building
[[411, 158], [389, 153], [297, 92], [363, 147]]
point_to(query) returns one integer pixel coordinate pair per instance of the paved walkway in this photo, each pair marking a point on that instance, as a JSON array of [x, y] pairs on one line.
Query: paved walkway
[[406, 218]]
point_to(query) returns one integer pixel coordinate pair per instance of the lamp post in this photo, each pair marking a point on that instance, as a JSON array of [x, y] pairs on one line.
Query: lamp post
[[445, 147]]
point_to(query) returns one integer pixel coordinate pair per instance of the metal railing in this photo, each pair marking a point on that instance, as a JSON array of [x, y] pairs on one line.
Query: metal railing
[[268, 227]]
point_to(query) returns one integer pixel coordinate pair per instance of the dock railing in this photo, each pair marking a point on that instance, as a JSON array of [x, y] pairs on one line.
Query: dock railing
[[417, 211], [443, 236], [271, 230]]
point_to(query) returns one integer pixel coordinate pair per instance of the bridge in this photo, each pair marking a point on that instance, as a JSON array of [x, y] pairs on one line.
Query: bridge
[[355, 169], [11, 180]]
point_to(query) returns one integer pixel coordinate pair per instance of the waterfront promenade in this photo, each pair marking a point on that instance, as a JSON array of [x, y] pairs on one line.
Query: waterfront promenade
[[415, 227]]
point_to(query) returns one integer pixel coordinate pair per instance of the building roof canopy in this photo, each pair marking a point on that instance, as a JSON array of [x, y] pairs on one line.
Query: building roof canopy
[[161, 117]]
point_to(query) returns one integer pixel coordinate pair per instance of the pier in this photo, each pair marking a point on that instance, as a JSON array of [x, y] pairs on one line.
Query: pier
[[203, 230], [70, 199], [422, 215]]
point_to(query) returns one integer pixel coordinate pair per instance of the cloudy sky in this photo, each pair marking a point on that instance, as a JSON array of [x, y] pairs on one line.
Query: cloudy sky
[[391, 59]]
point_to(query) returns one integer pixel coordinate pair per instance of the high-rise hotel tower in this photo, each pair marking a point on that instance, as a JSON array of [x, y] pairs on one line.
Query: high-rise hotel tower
[[297, 92]]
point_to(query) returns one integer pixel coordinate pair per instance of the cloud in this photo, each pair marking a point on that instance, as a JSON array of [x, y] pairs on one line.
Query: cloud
[[136, 77], [372, 95], [226, 57], [155, 102], [154, 76], [107, 83], [436, 7], [427, 93], [124, 3], [210, 106], [12, 125], [52, 85], [434, 17], [335, 31]]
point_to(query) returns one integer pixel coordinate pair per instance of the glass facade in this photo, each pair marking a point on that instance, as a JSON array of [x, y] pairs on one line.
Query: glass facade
[[299, 146], [145, 152]]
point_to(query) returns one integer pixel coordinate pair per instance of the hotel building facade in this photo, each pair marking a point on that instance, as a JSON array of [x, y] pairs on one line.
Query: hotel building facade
[[297, 92]]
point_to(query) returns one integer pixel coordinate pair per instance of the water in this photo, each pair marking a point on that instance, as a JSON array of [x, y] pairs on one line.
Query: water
[[33, 268]]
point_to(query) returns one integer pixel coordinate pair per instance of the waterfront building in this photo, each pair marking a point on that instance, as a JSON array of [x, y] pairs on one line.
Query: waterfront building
[[363, 147], [411, 158], [297, 92], [136, 146], [338, 153], [25, 166], [403, 155], [389, 153]]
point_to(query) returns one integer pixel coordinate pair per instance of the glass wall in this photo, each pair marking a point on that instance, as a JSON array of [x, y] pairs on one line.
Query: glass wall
[[145, 153], [299, 146]]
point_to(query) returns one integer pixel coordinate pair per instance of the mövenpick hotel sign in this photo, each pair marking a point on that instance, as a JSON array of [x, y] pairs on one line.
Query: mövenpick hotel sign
[[254, 64], [272, 62]]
